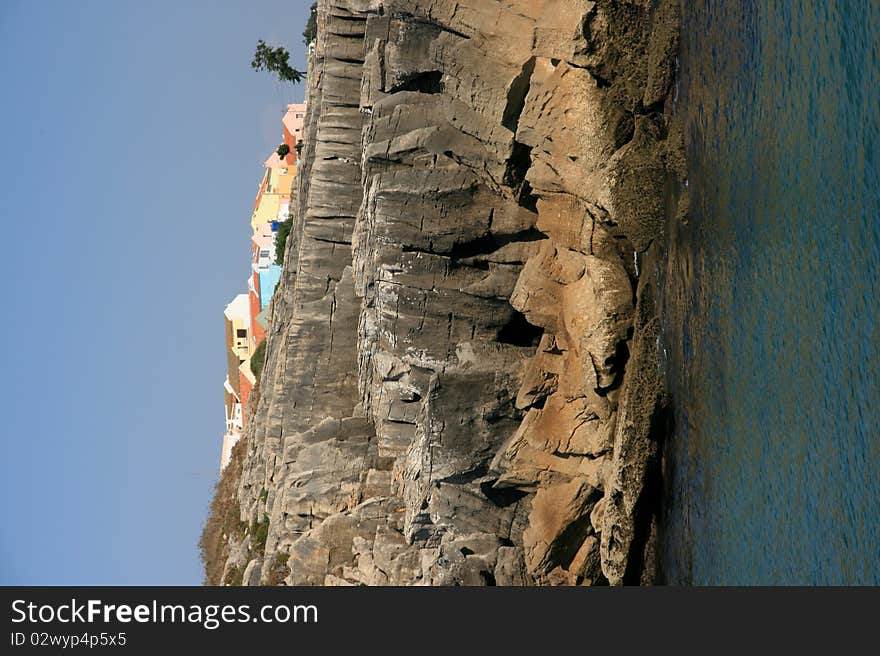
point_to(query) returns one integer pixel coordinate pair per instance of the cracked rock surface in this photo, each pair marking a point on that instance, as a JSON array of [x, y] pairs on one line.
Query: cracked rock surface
[[462, 385]]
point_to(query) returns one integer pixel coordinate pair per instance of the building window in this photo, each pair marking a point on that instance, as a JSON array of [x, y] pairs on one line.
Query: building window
[[299, 115], [241, 333]]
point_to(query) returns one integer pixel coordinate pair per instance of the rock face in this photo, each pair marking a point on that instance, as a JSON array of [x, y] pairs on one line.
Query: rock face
[[462, 384]]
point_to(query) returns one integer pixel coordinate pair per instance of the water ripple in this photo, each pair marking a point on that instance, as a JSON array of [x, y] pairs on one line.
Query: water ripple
[[773, 471]]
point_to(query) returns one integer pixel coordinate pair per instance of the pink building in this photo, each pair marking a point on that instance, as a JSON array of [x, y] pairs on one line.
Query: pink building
[[294, 122]]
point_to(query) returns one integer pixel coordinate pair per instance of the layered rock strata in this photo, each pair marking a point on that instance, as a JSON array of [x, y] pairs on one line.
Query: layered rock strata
[[462, 382]]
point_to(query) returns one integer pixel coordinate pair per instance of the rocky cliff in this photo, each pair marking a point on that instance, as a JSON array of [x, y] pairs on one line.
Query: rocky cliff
[[463, 383]]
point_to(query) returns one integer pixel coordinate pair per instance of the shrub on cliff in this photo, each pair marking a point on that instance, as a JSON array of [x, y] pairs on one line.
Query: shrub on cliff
[[275, 60], [258, 359], [281, 240], [311, 31], [259, 535], [224, 519], [283, 151]]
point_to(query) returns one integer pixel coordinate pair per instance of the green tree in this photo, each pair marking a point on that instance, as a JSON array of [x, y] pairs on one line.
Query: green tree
[[281, 240], [283, 151], [311, 31], [275, 60]]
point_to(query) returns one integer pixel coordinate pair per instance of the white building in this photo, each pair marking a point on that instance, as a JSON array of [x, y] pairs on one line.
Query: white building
[[229, 441], [234, 424]]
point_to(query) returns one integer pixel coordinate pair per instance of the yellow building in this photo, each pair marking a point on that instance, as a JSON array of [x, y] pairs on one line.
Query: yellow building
[[238, 327], [273, 197]]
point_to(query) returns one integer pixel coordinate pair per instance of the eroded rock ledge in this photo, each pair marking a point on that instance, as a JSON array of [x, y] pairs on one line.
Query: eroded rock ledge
[[462, 383]]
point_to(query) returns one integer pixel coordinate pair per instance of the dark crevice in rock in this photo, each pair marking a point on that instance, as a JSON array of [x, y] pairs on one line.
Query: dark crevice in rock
[[468, 476], [519, 332], [624, 130], [617, 366], [423, 529], [501, 497], [526, 198], [491, 242], [414, 20], [429, 82], [641, 566], [587, 31], [480, 265], [515, 176], [347, 18], [343, 36], [516, 96], [601, 82], [340, 242], [400, 421], [539, 403], [655, 108]]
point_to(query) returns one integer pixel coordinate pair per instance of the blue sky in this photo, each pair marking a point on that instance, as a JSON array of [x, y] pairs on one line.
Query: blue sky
[[133, 140]]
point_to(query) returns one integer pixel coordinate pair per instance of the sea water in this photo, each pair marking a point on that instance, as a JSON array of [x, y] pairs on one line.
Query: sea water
[[771, 294]]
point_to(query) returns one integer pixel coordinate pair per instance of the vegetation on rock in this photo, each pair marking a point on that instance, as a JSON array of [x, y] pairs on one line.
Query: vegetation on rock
[[224, 524], [258, 359], [275, 60], [311, 31], [281, 240], [259, 534]]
